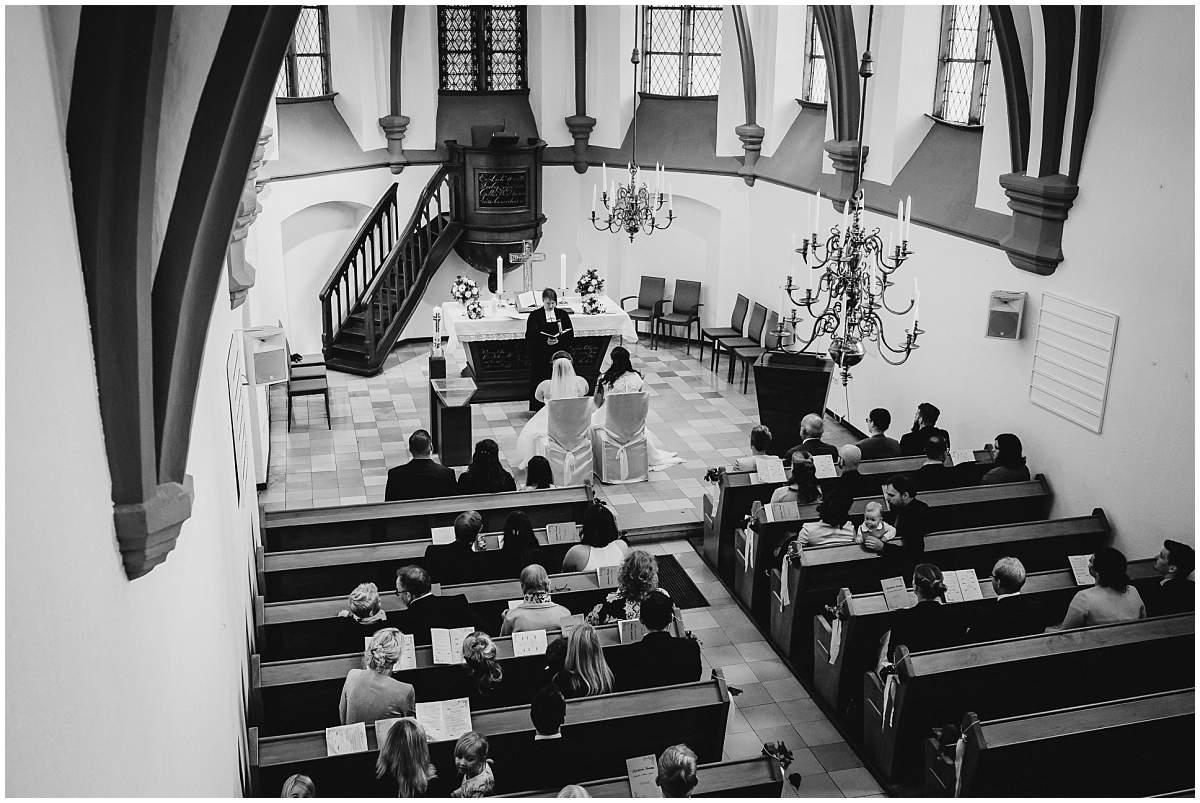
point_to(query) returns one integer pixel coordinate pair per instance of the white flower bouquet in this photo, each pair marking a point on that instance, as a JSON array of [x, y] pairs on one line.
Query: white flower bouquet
[[474, 309], [464, 289], [592, 305], [590, 283]]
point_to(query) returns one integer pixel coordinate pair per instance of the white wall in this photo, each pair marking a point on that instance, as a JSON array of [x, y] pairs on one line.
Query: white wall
[[552, 71], [419, 78], [114, 688], [360, 58]]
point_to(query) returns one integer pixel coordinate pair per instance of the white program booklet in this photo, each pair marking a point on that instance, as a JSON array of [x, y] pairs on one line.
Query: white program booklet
[[643, 770], [606, 576], [345, 739], [529, 642], [1079, 566], [445, 720], [953, 589], [769, 469], [826, 468], [442, 535], [447, 644], [408, 653], [969, 584], [562, 533], [895, 594], [960, 456]]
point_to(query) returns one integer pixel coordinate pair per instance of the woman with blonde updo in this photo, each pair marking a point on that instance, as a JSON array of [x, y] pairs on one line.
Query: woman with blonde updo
[[927, 625], [637, 579], [483, 675], [299, 786], [585, 672], [364, 608], [677, 771], [372, 693], [404, 755]]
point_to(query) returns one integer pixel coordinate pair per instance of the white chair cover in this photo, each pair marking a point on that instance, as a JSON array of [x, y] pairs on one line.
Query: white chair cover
[[568, 447], [619, 448]]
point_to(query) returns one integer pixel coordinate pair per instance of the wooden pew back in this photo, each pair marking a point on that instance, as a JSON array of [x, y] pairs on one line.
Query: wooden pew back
[[737, 495], [751, 777]]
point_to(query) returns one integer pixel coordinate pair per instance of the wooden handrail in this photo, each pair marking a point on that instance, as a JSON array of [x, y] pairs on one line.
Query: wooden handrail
[[369, 222]]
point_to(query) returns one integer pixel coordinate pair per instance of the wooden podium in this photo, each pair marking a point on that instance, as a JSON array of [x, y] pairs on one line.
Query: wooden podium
[[789, 386]]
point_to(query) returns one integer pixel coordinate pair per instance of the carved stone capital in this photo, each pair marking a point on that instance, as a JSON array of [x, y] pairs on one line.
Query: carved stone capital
[[1040, 207], [844, 155], [147, 530], [580, 126], [241, 273], [751, 136], [395, 126]]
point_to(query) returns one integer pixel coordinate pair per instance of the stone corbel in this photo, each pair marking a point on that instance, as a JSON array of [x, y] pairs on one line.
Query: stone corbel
[[580, 126], [751, 136], [1040, 206], [844, 155], [241, 272], [395, 126], [147, 530]]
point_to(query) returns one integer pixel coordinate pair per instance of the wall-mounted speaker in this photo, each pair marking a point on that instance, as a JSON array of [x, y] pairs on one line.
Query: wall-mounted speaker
[[1005, 310]]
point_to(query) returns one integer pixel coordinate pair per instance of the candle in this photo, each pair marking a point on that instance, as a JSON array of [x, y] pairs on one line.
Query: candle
[[916, 302], [907, 218], [899, 218], [817, 217], [808, 210], [670, 199], [604, 173], [807, 279], [437, 325], [562, 271], [593, 200], [499, 276]]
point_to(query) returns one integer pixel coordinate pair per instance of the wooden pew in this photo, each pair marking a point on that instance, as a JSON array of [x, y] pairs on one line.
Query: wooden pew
[[866, 618], [1020, 676], [736, 495], [375, 522], [884, 467], [307, 573], [750, 777], [608, 729], [1147, 742], [311, 627], [302, 695]]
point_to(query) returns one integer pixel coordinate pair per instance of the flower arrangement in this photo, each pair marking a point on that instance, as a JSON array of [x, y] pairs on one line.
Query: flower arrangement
[[592, 305], [464, 289], [590, 283], [474, 309]]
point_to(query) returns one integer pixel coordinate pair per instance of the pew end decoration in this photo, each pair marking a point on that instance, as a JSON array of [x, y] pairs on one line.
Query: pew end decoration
[[779, 751], [463, 289]]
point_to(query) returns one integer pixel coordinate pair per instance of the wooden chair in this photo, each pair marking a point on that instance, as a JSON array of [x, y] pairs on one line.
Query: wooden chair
[[650, 302], [309, 386], [685, 310], [758, 322], [737, 326], [746, 355]]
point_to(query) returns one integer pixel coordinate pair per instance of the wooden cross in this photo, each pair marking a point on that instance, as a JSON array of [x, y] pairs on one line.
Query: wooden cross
[[526, 257]]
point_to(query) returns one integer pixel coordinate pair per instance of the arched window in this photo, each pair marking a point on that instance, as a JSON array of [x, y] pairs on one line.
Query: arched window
[[305, 72], [965, 54], [681, 48], [481, 48], [815, 80]]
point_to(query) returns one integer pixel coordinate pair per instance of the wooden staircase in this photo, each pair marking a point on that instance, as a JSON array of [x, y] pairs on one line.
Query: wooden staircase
[[380, 279]]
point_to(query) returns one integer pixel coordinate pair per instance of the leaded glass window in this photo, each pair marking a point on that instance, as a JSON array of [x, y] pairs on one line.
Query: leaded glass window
[[816, 81], [305, 72], [963, 61], [481, 48], [682, 50]]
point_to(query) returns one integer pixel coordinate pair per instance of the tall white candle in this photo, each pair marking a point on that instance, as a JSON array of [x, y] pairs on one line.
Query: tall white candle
[[807, 278], [908, 218], [593, 200], [899, 219], [807, 212], [817, 216], [499, 275], [670, 198], [604, 174], [562, 270]]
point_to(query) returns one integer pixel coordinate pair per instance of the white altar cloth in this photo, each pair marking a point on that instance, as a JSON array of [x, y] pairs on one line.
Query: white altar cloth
[[510, 324]]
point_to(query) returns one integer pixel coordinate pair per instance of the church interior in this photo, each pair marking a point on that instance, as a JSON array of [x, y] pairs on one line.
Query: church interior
[[277, 251]]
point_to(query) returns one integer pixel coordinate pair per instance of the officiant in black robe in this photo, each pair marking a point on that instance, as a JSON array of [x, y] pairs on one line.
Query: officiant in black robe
[[546, 331]]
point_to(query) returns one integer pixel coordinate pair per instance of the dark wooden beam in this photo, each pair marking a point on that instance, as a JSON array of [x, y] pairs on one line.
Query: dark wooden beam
[[1016, 91], [395, 124], [835, 25], [1086, 72], [1059, 24], [750, 133], [579, 124]]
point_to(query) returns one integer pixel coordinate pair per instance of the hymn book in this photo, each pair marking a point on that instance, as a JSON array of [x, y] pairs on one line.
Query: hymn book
[[563, 532], [445, 720], [826, 468], [1079, 567], [769, 469], [442, 535], [344, 739], [895, 594], [447, 644], [643, 774], [953, 589], [780, 511], [969, 583], [529, 642], [528, 299]]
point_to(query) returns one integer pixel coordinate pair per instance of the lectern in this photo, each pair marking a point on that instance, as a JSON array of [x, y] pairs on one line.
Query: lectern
[[789, 386]]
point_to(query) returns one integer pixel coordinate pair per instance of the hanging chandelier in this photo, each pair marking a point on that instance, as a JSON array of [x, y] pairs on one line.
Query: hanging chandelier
[[855, 267], [631, 207]]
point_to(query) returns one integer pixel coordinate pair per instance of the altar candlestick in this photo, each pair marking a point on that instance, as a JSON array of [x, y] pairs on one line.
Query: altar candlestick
[[499, 276], [562, 271]]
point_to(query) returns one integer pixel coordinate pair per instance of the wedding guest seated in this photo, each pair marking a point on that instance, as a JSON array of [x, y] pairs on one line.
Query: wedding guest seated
[[878, 445], [536, 611], [1112, 599], [484, 675], [677, 771], [372, 693], [404, 756], [1010, 614], [299, 786], [812, 427], [422, 476], [485, 475], [660, 658], [928, 625], [554, 756], [802, 485], [874, 532], [636, 580], [851, 481], [1175, 593], [933, 475], [473, 766], [585, 672], [834, 525], [912, 518], [459, 562], [538, 474], [573, 790], [521, 547], [760, 442], [556, 659], [600, 541], [922, 430], [364, 613], [1010, 463], [424, 609]]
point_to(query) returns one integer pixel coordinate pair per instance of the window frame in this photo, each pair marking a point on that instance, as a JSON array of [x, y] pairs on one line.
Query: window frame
[[290, 77], [480, 17], [685, 54], [812, 37], [984, 36]]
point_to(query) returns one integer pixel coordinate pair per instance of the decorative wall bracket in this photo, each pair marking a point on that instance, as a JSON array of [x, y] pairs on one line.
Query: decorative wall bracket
[[1040, 207], [751, 136], [241, 272], [146, 531], [844, 155], [580, 126], [395, 126]]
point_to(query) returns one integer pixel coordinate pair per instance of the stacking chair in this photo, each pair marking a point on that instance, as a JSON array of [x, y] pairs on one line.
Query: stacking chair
[[685, 310], [758, 320], [746, 355], [569, 448], [619, 448], [309, 366], [737, 325], [307, 386], [650, 300]]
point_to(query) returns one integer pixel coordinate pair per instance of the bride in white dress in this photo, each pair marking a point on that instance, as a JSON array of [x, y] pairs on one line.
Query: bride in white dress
[[562, 384], [622, 378]]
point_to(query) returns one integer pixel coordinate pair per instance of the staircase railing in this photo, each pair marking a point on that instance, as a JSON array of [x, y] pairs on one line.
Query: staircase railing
[[438, 208]]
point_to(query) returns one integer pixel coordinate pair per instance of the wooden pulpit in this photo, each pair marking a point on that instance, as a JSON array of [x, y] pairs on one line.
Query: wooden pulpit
[[789, 386]]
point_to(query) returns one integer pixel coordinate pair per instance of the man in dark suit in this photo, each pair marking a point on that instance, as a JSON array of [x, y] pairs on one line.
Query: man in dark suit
[[423, 609], [852, 482], [812, 427], [923, 429], [1010, 614], [552, 755], [878, 445], [913, 520], [422, 476], [659, 659], [452, 564], [1175, 593], [933, 475], [547, 330]]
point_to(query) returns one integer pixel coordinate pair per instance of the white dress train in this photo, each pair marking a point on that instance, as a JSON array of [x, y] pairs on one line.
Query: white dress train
[[535, 434], [632, 382]]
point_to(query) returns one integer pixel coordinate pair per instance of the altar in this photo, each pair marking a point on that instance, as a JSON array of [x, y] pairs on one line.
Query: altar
[[495, 344]]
